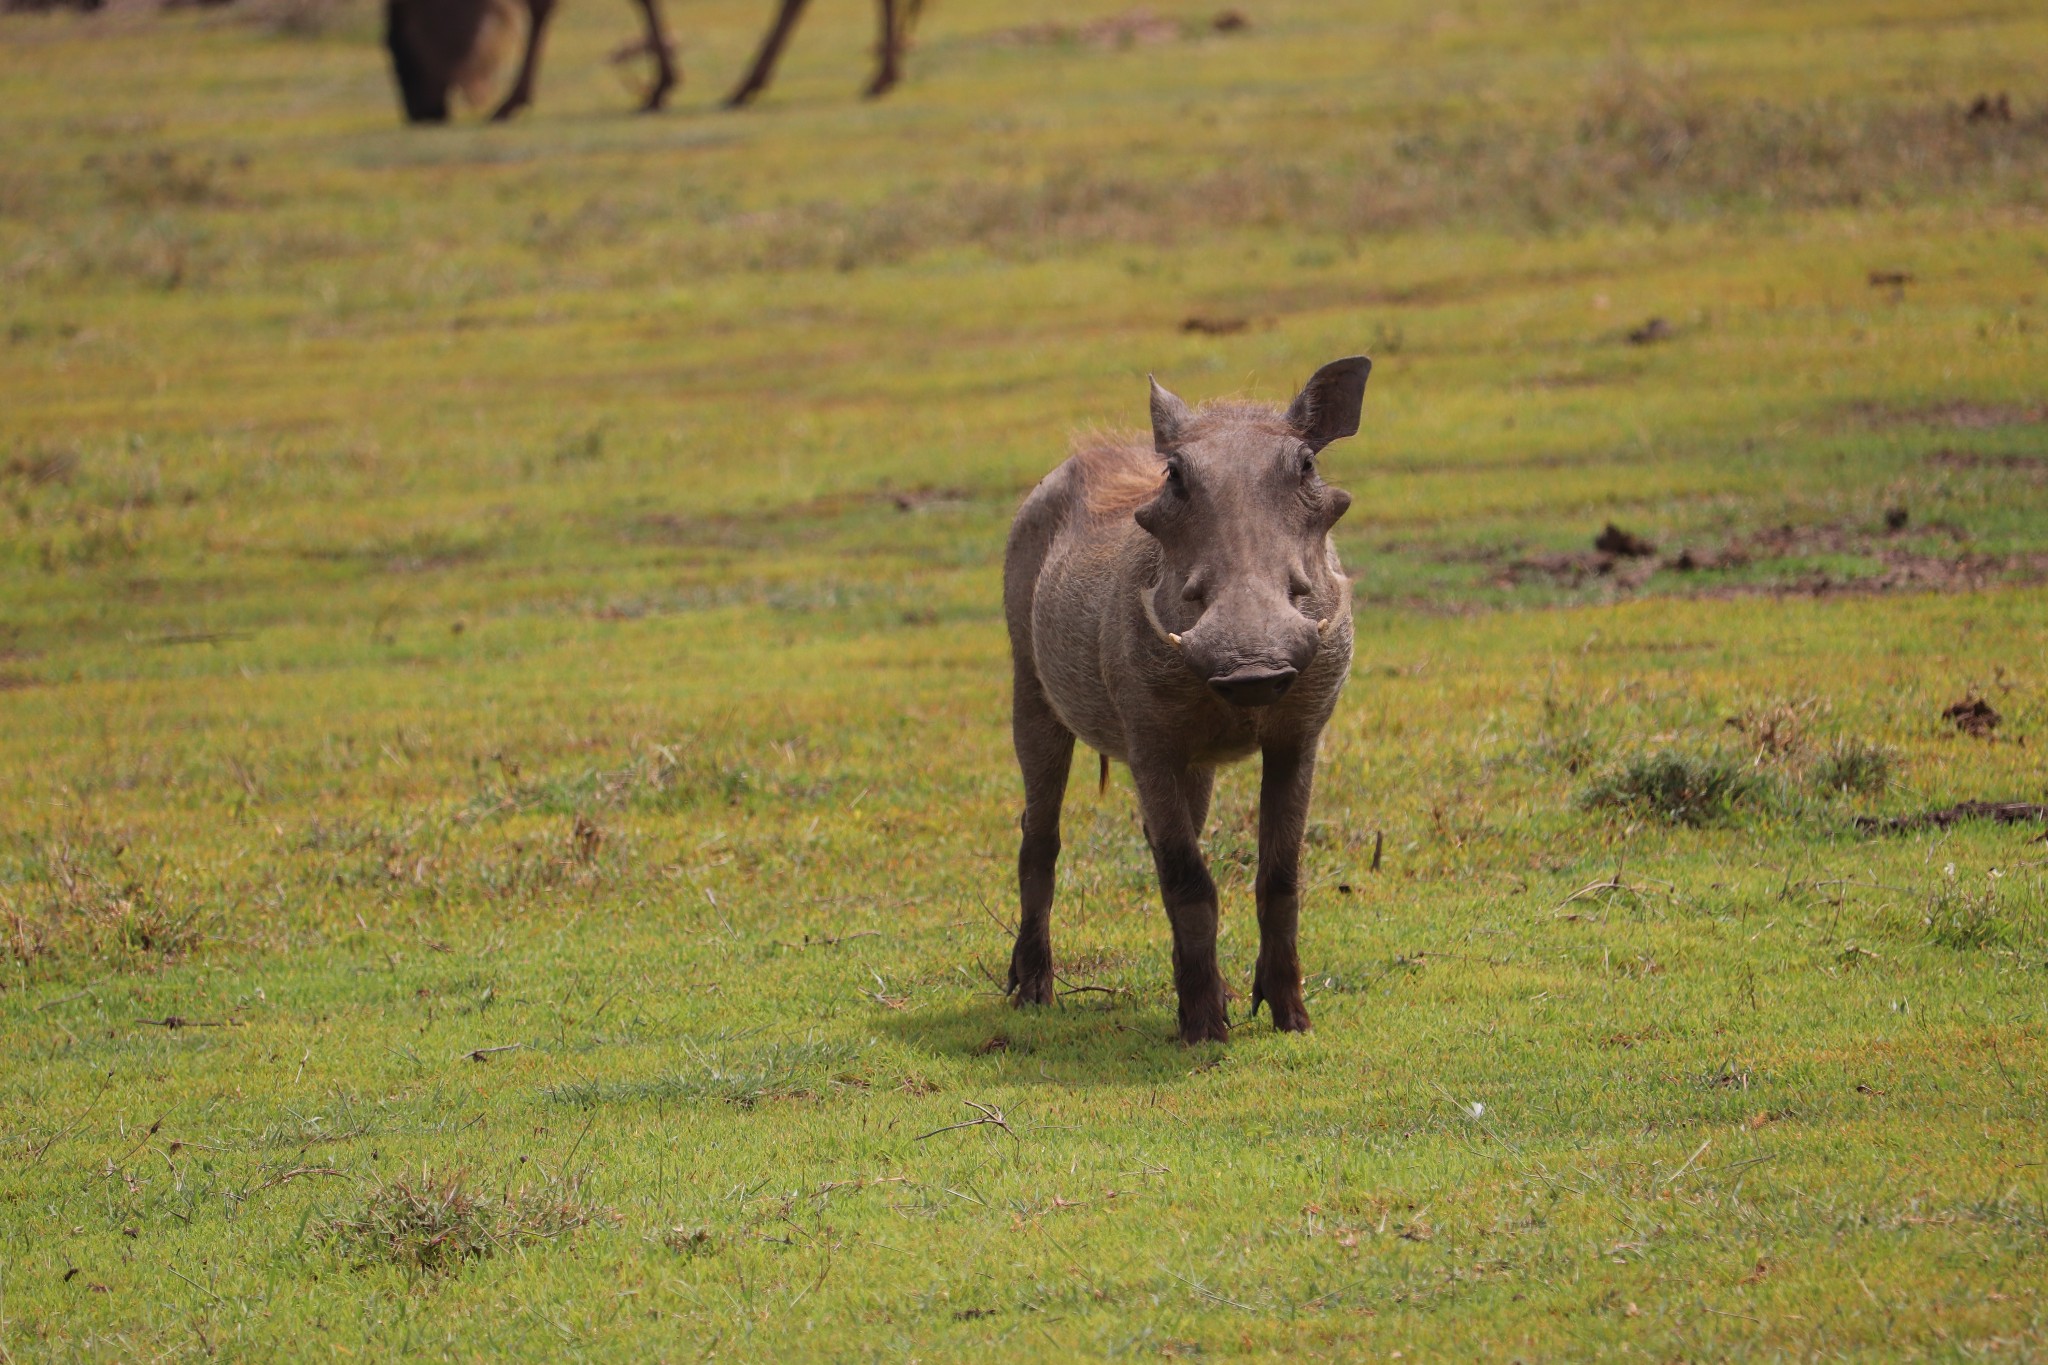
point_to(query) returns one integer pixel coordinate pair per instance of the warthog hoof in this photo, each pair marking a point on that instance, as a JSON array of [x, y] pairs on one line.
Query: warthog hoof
[[1204, 1020], [1283, 998], [1030, 977], [1288, 1016]]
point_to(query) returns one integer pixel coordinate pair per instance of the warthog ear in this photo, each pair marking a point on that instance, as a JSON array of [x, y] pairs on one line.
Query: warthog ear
[[1327, 409], [1169, 419]]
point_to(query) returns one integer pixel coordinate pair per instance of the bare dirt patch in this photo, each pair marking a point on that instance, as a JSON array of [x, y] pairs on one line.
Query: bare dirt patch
[[1201, 325], [1139, 27], [1575, 568], [2032, 467], [1962, 413], [1945, 817], [1632, 562]]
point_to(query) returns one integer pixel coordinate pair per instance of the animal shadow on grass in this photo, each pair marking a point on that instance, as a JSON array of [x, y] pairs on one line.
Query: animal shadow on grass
[[1068, 1044]]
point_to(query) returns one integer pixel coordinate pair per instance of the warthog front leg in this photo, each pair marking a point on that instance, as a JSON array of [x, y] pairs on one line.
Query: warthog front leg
[[1190, 896], [1045, 753], [1289, 774]]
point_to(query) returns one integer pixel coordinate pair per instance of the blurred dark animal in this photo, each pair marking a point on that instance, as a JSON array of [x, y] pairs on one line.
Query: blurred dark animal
[[896, 19], [442, 47], [1986, 109], [1179, 606]]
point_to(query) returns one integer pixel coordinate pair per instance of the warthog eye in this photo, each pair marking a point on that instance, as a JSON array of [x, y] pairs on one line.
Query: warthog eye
[[1176, 476], [1308, 464]]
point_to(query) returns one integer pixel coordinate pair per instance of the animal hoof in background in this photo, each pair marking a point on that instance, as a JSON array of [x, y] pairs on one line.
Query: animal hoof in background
[[657, 98]]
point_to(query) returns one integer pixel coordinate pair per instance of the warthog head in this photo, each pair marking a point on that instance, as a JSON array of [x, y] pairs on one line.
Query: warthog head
[[1243, 519]]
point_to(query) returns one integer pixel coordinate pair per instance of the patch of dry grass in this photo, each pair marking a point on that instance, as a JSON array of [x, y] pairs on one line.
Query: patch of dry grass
[[434, 1224], [63, 903]]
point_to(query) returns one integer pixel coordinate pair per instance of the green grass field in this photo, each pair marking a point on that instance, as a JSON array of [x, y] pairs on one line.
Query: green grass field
[[507, 836]]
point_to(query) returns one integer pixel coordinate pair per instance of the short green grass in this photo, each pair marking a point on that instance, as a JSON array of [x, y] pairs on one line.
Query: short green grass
[[508, 829]]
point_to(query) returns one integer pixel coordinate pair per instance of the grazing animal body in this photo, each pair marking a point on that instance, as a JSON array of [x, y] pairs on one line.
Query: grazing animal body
[[1178, 606], [443, 46]]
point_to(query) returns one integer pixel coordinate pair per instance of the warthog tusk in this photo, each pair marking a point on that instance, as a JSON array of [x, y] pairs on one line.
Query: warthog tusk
[[1152, 619], [1323, 626]]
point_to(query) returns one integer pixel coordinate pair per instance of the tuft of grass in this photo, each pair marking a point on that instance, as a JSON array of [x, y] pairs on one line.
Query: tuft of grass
[[1778, 729], [690, 1241], [1564, 739], [1963, 919], [1683, 788], [1856, 766], [67, 904], [434, 1224]]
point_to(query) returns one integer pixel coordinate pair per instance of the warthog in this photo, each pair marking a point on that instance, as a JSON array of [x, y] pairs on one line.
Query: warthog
[[1176, 607]]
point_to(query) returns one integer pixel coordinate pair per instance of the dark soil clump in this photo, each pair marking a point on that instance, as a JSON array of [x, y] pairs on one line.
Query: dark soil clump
[[1624, 544], [1999, 812], [2031, 466], [1973, 716]]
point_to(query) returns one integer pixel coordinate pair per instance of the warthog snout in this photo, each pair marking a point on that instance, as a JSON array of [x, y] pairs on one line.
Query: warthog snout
[[1250, 646], [1254, 686]]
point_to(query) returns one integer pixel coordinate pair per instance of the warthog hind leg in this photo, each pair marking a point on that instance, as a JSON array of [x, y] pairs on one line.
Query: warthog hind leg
[[1284, 788], [1045, 754]]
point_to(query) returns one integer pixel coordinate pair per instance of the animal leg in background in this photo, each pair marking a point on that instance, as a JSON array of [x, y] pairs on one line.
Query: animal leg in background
[[771, 51], [1190, 896], [1284, 785], [888, 50], [894, 21], [521, 93], [1045, 755], [422, 91], [666, 76]]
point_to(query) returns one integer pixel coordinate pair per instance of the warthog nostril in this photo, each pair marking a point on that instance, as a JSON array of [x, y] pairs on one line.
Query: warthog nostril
[[1254, 686]]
